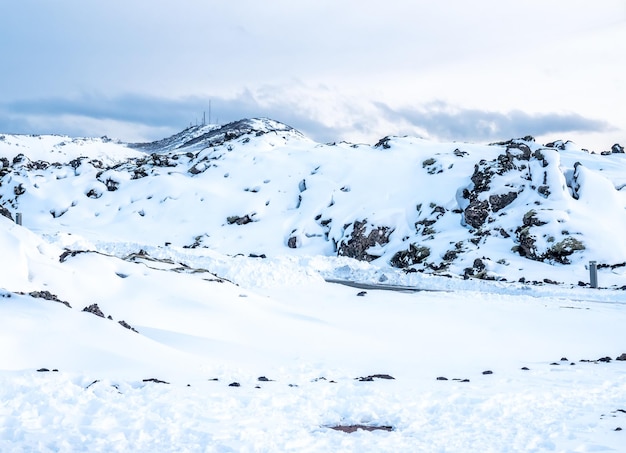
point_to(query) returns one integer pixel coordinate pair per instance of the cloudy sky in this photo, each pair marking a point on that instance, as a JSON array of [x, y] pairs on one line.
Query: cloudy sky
[[351, 70]]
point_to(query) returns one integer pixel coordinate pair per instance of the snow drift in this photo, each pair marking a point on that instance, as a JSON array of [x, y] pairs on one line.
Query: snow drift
[[171, 296]]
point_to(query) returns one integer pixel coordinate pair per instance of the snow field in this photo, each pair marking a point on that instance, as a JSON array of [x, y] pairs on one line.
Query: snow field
[[211, 316]]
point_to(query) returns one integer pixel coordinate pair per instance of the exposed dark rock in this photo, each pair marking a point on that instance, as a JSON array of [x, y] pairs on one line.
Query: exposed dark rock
[[292, 242], [459, 153], [525, 368], [358, 242], [43, 370], [374, 376], [111, 184], [414, 255], [139, 173], [479, 265], [94, 309], [605, 359], [442, 378], [617, 149], [93, 193], [483, 172], [127, 326], [530, 219], [194, 170], [563, 249], [156, 381], [499, 202], [69, 253], [544, 191], [77, 162], [263, 379], [6, 213], [622, 357], [93, 383], [197, 242], [240, 220], [354, 428], [57, 213], [476, 213], [558, 144], [526, 240], [47, 295], [488, 372], [383, 143], [234, 384]]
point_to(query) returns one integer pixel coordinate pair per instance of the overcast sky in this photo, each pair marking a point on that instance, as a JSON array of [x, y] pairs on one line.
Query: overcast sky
[[480, 71]]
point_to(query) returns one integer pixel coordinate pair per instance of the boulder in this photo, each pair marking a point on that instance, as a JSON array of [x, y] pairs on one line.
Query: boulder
[[361, 239]]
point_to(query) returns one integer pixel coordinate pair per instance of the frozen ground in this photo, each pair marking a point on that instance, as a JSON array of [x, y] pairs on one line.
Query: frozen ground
[[278, 319], [477, 365]]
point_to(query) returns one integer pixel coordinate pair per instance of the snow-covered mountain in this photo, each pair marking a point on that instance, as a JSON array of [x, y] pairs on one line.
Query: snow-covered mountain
[[261, 187], [181, 295]]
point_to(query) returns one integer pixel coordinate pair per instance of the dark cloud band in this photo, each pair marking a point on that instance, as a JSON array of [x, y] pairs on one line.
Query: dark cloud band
[[438, 119]]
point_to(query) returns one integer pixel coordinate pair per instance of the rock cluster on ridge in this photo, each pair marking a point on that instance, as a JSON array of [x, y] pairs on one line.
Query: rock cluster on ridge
[[257, 185]]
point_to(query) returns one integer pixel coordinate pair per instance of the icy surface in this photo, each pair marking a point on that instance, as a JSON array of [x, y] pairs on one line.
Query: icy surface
[[211, 316]]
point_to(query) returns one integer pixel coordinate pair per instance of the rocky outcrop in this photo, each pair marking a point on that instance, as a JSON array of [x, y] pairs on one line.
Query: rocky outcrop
[[47, 295], [240, 220], [94, 310], [6, 213], [482, 201], [414, 255], [361, 238]]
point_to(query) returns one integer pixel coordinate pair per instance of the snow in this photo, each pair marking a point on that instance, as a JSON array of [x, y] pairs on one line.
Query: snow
[[208, 317]]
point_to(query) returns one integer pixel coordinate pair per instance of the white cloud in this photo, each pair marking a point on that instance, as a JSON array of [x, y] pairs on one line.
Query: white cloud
[[331, 61]]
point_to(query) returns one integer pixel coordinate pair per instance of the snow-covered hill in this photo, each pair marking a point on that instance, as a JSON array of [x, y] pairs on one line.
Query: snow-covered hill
[[260, 187], [175, 291]]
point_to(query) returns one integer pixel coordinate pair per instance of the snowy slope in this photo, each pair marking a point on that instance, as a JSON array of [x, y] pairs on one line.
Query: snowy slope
[[257, 186], [480, 361]]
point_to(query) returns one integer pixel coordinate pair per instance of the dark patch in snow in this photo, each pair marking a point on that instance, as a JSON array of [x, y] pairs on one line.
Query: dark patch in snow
[[240, 220], [94, 309], [374, 376], [361, 238], [127, 326], [354, 428], [156, 381], [47, 295]]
